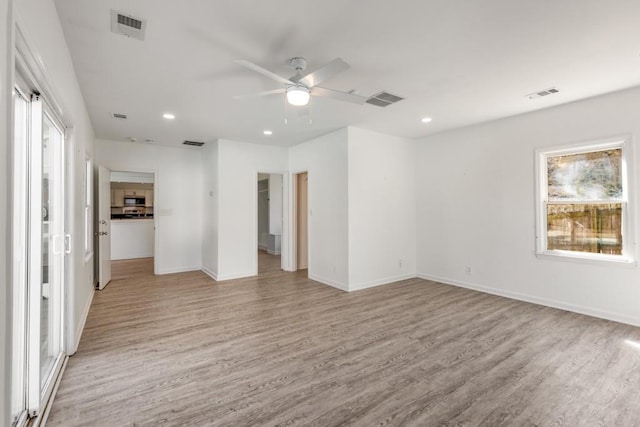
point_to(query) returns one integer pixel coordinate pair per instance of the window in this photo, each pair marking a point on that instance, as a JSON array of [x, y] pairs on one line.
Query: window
[[583, 209], [88, 194]]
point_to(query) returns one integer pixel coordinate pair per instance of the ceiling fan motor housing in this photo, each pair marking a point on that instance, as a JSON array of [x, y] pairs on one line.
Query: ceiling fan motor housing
[[298, 63]]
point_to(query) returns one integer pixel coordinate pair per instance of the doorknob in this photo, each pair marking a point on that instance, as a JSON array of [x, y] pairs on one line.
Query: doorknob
[[102, 221], [102, 233]]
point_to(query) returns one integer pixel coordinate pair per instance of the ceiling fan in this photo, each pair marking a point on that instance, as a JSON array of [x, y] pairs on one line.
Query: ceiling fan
[[301, 87]]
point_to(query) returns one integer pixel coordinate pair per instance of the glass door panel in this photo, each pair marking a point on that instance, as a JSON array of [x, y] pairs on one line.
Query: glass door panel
[[46, 255], [51, 286]]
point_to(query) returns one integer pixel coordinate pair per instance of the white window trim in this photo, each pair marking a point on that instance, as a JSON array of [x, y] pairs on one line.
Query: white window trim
[[88, 205], [629, 256]]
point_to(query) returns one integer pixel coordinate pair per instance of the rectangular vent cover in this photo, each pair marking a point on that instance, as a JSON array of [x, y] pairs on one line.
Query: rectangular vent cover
[[119, 116], [129, 22], [383, 99], [127, 25], [194, 143], [542, 93]]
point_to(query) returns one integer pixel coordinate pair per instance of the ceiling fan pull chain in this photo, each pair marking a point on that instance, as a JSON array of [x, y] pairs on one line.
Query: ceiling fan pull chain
[[286, 111]]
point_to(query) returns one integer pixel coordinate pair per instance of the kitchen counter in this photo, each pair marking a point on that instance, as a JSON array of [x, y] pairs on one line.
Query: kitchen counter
[[132, 238]]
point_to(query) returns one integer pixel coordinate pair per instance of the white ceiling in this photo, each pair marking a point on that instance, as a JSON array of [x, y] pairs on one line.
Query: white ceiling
[[457, 61]]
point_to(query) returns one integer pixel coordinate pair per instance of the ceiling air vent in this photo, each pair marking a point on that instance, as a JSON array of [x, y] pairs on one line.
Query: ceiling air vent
[[383, 99], [542, 93], [127, 25], [194, 143], [119, 116]]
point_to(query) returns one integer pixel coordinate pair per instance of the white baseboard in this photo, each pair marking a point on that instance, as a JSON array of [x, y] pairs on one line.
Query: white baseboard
[[221, 277], [178, 270], [380, 282], [329, 282], [270, 252], [83, 321], [231, 276], [210, 273], [262, 247], [616, 317]]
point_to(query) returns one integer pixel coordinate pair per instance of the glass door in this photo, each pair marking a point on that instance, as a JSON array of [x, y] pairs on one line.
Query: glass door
[[39, 247], [46, 250], [53, 239]]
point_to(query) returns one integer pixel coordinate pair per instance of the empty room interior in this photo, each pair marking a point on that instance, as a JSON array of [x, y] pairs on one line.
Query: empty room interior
[[323, 213]]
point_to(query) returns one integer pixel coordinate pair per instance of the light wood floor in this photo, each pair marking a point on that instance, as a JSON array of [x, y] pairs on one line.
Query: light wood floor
[[280, 349]]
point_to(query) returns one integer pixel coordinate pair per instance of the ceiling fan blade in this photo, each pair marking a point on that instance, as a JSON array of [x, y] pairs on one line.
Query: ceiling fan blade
[[263, 71], [324, 73], [336, 94], [259, 94]]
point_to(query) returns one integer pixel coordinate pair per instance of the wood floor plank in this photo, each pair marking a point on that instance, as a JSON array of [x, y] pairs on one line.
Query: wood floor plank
[[280, 349]]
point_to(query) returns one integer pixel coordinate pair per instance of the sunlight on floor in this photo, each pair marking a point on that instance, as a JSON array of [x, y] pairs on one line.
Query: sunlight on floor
[[634, 344]]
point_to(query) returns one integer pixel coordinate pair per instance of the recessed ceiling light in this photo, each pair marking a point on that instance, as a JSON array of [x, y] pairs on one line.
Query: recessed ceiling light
[[426, 120], [268, 132], [168, 116]]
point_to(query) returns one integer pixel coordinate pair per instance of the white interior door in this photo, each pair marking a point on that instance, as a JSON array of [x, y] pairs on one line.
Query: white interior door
[[104, 227]]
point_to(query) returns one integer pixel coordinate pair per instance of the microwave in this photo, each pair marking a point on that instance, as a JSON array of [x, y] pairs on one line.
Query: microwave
[[134, 201]]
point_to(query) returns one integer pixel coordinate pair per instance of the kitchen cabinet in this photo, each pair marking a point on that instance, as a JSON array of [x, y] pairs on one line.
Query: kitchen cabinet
[[135, 193], [117, 198], [148, 198], [132, 238]]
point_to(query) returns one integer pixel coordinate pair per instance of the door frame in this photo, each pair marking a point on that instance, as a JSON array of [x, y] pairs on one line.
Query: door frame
[[156, 227], [285, 217], [293, 255]]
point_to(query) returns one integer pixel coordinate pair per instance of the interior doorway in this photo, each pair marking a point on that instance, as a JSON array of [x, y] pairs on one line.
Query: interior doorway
[[301, 228], [269, 216], [126, 223]]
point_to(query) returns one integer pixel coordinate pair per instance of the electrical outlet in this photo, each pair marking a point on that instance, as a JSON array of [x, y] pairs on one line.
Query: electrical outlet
[[467, 269], [400, 263]]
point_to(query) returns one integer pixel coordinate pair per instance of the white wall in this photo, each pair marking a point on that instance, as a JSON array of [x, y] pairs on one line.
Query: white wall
[[238, 167], [382, 209], [5, 166], [178, 206], [325, 159], [38, 21], [275, 203], [210, 208], [476, 208]]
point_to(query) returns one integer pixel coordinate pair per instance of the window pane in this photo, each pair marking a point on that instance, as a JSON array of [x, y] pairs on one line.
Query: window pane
[[585, 176], [52, 217], [595, 228]]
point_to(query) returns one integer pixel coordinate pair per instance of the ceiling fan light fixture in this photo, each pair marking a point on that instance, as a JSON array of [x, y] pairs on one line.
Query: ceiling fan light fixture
[[298, 95]]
